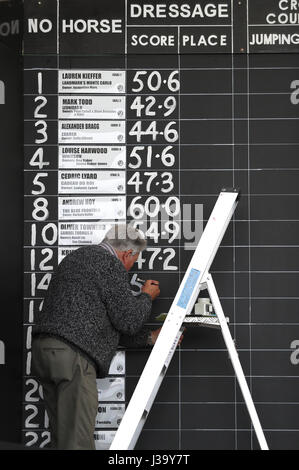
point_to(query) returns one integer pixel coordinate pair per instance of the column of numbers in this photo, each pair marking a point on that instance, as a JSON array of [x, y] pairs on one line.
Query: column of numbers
[[152, 183], [40, 239]]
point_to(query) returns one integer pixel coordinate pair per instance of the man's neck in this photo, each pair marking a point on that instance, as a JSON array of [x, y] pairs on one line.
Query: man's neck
[[109, 248]]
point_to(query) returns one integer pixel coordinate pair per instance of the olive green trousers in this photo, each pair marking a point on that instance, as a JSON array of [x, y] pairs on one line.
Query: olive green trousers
[[69, 392]]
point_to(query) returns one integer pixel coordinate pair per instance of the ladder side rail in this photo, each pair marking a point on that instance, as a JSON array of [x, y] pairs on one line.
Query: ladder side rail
[[145, 391], [153, 395], [236, 363]]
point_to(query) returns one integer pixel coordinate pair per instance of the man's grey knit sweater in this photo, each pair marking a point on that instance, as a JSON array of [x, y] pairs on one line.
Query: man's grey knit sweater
[[89, 305]]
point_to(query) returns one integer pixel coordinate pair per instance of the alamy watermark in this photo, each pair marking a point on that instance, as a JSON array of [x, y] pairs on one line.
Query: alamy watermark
[[178, 224]]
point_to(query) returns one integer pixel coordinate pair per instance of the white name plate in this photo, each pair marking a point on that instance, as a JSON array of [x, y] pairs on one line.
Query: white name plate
[[100, 208], [91, 81], [91, 107], [109, 415], [91, 156], [103, 439], [91, 132], [111, 389], [81, 233], [95, 182]]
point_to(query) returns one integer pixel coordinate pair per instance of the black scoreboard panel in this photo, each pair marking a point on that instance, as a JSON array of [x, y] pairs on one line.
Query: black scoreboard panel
[[135, 111], [11, 184]]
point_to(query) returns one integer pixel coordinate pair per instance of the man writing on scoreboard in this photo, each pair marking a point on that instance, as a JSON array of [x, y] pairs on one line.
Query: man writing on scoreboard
[[89, 309]]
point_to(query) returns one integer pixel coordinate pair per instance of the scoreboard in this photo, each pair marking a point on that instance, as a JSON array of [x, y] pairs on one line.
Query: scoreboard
[[138, 111]]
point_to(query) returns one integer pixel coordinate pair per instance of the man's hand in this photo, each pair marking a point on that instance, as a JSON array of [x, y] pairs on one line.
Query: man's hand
[[151, 287], [155, 334]]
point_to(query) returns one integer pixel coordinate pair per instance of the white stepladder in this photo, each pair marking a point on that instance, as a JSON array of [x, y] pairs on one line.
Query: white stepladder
[[196, 278]]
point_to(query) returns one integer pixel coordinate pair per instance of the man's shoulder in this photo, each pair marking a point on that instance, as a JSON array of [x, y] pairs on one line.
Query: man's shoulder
[[96, 256], [88, 250]]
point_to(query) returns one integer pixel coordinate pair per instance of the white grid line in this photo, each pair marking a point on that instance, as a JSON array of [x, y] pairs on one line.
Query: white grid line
[[179, 188], [249, 229]]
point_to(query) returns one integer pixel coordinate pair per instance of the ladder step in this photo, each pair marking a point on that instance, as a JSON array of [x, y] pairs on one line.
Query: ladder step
[[208, 321], [197, 320]]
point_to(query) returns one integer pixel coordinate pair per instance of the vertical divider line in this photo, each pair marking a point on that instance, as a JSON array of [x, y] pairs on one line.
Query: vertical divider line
[[249, 214], [249, 232], [126, 27], [126, 144], [234, 241], [57, 29], [247, 16], [58, 68], [126, 100], [179, 188], [232, 25], [233, 218]]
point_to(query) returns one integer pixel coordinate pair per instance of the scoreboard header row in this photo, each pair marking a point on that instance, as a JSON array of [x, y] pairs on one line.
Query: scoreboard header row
[[136, 26]]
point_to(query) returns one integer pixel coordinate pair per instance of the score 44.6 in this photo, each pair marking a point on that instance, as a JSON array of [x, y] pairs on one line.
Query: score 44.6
[[167, 131]]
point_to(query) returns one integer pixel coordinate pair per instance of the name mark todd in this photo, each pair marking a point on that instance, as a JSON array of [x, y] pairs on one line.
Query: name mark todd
[[2, 353], [2, 92]]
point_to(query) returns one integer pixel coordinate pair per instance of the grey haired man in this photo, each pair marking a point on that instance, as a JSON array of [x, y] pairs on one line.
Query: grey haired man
[[89, 310]]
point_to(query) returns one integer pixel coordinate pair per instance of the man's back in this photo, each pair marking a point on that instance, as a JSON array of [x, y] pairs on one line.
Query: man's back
[[89, 304]]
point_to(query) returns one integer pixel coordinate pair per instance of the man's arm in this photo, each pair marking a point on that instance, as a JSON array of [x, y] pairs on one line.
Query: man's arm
[[126, 312], [142, 339], [145, 337]]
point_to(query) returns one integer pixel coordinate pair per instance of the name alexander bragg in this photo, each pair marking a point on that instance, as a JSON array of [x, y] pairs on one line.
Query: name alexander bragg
[[79, 125]]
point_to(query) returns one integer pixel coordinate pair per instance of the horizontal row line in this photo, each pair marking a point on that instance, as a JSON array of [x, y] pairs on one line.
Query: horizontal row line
[[221, 350], [177, 220], [174, 144], [170, 194], [85, 93], [168, 169], [224, 298], [173, 271], [167, 120], [128, 69], [172, 246], [263, 323], [182, 429]]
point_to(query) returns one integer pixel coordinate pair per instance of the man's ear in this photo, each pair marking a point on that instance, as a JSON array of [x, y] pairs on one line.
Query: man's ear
[[128, 253], [121, 255]]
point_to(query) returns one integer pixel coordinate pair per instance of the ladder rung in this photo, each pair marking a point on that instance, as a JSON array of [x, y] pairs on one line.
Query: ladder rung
[[208, 321]]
